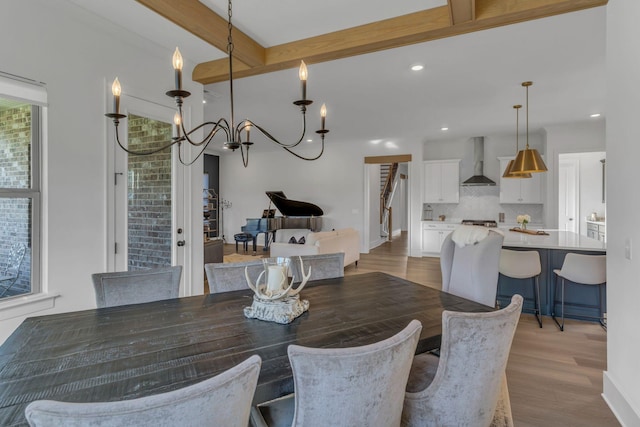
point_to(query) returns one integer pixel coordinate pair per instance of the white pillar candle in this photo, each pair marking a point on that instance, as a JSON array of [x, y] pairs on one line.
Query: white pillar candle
[[275, 278]]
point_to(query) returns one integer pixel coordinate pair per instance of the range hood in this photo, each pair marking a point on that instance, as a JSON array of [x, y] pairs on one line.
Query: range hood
[[478, 164]]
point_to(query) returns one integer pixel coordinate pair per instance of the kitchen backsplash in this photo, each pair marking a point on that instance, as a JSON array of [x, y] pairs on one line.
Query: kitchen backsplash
[[482, 202]]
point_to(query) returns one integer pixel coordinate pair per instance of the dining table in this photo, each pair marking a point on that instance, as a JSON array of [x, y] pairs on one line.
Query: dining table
[[131, 351]]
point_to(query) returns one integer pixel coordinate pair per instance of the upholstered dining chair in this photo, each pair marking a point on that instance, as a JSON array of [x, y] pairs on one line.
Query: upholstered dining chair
[[356, 386], [466, 385], [135, 287], [226, 277], [471, 271], [323, 266], [224, 400]]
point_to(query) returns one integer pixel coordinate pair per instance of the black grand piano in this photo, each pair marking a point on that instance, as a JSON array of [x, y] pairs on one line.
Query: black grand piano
[[295, 214]]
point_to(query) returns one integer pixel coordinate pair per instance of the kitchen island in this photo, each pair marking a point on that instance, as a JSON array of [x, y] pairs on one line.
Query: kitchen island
[[581, 302]]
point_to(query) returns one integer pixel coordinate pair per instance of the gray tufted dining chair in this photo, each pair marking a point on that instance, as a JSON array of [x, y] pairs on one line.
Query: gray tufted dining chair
[[227, 277], [224, 400], [136, 287], [466, 385], [345, 387], [323, 266]]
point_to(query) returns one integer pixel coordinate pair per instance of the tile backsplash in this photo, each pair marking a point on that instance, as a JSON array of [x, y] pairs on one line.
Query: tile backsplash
[[481, 202]]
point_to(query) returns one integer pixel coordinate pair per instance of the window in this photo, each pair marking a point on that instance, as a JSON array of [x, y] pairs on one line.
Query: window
[[21, 106]]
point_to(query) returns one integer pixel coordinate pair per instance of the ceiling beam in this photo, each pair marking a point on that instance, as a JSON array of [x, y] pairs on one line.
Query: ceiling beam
[[417, 27], [202, 22]]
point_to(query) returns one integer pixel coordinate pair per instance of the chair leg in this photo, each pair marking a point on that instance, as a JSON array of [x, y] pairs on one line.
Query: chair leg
[[536, 297], [553, 315]]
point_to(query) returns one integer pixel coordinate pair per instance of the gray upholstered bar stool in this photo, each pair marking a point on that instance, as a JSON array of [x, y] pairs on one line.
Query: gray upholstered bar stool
[[523, 265], [581, 270]]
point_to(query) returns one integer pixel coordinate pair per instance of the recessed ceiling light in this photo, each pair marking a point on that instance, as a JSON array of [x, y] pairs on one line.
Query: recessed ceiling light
[[444, 128], [204, 101], [595, 115], [309, 140], [417, 67]]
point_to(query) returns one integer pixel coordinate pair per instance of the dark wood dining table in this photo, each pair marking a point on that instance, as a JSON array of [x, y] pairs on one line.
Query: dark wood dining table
[[131, 351]]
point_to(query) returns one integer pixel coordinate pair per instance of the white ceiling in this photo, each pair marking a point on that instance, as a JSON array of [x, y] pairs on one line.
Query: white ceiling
[[469, 83]]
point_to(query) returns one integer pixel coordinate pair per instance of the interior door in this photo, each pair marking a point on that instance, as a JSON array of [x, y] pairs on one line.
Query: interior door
[[568, 195], [148, 207]]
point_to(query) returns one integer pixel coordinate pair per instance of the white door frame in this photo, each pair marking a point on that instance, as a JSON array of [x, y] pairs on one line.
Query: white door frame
[[569, 167]]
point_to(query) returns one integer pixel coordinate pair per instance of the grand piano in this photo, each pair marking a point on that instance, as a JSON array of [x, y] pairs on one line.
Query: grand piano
[[295, 214]]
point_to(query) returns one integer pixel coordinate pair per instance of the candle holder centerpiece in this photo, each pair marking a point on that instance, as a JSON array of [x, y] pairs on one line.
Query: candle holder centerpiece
[[275, 299]]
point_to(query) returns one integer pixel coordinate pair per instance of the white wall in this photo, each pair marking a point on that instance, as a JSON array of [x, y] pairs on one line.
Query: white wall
[[622, 378], [77, 56]]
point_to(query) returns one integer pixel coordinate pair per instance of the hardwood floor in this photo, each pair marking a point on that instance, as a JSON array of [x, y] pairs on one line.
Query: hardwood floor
[[555, 378]]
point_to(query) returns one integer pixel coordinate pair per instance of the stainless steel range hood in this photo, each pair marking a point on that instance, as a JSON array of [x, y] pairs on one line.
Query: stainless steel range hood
[[478, 177]]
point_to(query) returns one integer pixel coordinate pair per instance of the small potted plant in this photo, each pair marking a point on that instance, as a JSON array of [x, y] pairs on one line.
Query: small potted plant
[[523, 220]]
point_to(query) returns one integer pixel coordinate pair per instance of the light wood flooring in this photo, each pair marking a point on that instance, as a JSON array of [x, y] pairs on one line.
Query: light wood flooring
[[555, 378]]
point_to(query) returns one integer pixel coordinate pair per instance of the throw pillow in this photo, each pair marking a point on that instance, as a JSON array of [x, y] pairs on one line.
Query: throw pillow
[[292, 240], [302, 240]]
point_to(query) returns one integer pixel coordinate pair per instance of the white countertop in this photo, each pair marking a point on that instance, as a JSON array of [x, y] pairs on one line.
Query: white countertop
[[556, 239], [596, 222]]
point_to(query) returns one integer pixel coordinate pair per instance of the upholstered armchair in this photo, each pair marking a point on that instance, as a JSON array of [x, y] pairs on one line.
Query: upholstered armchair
[[471, 271]]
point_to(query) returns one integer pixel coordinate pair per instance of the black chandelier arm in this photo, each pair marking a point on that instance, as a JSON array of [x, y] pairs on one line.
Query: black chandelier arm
[[220, 124], [245, 161], [196, 157], [282, 144], [308, 158], [143, 153]]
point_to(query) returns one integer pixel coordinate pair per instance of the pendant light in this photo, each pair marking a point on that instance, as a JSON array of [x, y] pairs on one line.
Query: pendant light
[[528, 160], [507, 172]]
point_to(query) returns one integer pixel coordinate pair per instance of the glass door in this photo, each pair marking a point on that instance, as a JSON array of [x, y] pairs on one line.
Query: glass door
[[147, 203]]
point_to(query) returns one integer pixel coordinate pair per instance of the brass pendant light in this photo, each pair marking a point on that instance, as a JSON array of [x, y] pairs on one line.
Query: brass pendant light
[[528, 160], [507, 172]]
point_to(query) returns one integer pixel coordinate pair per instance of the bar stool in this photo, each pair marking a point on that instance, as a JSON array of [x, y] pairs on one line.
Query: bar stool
[[523, 265], [581, 270]]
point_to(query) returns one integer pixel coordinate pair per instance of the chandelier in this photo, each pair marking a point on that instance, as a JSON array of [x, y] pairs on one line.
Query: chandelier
[[233, 133]]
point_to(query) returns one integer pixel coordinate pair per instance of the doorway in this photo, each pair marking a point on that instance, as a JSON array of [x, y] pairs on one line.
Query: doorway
[[146, 221]]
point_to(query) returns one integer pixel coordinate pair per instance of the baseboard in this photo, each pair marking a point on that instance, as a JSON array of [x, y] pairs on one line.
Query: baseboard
[[620, 406], [376, 243]]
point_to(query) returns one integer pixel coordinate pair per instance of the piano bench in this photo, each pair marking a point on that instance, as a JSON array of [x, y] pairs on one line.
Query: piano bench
[[245, 238]]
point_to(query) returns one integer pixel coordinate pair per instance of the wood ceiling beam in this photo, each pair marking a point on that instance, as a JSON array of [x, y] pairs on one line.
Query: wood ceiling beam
[[202, 22], [417, 27]]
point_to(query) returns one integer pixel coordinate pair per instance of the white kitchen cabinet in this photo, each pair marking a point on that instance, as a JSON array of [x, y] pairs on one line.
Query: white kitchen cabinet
[[433, 234], [442, 181], [519, 190]]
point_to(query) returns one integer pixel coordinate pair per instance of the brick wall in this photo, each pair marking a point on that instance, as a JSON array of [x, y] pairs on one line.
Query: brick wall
[[149, 181], [15, 172]]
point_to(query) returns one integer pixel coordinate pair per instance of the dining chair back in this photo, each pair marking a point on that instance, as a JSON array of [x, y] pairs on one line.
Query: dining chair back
[[224, 400], [135, 287], [323, 266], [471, 271], [355, 386], [226, 277], [466, 385]]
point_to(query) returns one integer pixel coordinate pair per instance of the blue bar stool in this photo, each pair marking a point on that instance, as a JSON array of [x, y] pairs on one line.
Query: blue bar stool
[[581, 270], [523, 265]]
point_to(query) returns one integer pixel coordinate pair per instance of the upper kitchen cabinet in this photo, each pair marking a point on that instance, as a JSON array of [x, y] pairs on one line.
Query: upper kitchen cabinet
[[519, 190], [442, 181]]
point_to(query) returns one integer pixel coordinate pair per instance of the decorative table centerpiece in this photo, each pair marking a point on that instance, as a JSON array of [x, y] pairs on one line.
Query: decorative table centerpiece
[[523, 220], [275, 299]]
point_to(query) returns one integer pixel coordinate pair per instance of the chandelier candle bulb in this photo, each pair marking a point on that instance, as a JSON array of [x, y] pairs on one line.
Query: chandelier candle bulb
[[177, 65], [177, 121], [303, 74], [248, 129], [116, 90], [323, 115]]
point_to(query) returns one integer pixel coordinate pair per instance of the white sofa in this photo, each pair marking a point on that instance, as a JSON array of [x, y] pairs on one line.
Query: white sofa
[[346, 240]]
